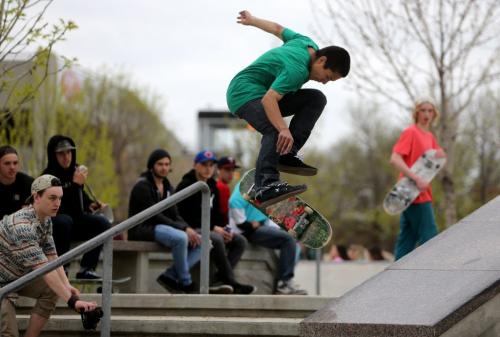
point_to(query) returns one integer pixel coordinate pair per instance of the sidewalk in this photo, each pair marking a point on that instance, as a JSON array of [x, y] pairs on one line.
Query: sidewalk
[[336, 278]]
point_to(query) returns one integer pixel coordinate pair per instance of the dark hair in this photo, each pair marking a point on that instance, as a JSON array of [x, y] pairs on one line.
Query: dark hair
[[7, 149], [375, 253], [337, 59], [343, 252]]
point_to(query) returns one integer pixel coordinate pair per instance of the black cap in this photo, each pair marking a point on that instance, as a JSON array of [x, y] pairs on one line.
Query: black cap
[[227, 162], [64, 145]]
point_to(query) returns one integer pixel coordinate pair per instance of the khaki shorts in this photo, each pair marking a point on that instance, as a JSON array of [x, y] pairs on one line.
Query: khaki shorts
[[45, 304]]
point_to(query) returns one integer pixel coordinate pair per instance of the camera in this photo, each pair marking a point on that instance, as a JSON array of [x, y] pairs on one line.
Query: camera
[[91, 318]]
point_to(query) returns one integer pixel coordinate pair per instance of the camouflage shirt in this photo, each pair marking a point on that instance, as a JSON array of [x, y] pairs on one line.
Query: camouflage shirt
[[25, 243]]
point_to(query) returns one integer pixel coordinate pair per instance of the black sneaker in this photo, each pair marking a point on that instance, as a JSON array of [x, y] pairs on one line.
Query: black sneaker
[[191, 288], [276, 192], [244, 289], [170, 285], [290, 163], [88, 274], [220, 288]]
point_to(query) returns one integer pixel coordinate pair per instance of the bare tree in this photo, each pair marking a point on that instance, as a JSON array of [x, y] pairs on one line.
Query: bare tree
[[407, 49]]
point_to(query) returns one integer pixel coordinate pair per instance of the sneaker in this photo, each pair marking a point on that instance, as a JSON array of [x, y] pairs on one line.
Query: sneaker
[[88, 274], [288, 288], [169, 284], [244, 289], [276, 192], [191, 288], [292, 164], [220, 288]]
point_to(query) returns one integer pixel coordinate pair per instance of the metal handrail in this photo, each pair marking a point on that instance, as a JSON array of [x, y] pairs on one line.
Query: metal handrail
[[106, 239]]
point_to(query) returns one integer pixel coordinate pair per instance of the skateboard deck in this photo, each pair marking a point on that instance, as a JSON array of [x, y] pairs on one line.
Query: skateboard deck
[[95, 286], [293, 215], [405, 191]]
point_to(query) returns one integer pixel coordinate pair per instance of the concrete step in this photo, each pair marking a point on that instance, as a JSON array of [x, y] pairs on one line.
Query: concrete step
[[180, 326], [200, 305]]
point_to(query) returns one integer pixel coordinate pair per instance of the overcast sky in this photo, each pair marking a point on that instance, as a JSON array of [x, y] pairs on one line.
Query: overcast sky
[[188, 52]]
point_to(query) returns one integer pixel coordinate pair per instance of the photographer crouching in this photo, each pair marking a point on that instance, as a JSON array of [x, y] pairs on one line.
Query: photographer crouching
[[26, 244]]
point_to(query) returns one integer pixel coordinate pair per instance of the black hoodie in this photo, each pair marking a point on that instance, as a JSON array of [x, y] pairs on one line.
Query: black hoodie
[[145, 194], [75, 201], [190, 208]]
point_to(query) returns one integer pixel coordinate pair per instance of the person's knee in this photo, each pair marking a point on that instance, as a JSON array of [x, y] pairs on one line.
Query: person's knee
[[318, 98], [46, 303], [240, 241], [180, 239]]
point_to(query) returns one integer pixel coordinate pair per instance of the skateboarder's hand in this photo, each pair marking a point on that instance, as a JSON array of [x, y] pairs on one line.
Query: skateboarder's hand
[[245, 18], [193, 237], [95, 206], [421, 184], [440, 153], [285, 141]]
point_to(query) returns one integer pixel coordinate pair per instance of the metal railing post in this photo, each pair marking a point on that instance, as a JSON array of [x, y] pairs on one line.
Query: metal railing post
[[205, 241], [107, 285]]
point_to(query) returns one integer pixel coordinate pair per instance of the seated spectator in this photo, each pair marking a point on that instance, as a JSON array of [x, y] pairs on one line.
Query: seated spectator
[[26, 244], [14, 185], [356, 252], [375, 254], [190, 210], [254, 225], [225, 167], [166, 228], [75, 220], [338, 253]]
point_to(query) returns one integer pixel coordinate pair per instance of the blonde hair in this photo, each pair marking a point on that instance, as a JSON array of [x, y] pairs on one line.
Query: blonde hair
[[418, 103]]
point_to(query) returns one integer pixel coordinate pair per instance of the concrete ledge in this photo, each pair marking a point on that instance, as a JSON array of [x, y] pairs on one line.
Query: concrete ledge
[[71, 325], [428, 292]]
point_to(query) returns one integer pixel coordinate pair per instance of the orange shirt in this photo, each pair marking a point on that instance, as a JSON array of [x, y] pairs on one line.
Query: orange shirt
[[412, 143]]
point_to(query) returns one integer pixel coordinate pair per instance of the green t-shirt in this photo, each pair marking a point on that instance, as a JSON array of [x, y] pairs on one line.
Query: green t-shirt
[[284, 69]]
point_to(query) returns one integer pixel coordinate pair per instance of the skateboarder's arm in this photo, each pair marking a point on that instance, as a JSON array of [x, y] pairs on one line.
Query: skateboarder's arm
[[398, 162], [273, 113], [247, 19]]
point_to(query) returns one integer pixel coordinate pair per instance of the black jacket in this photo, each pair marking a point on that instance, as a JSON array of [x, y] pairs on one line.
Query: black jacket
[[145, 194], [190, 208], [13, 196], [75, 201]]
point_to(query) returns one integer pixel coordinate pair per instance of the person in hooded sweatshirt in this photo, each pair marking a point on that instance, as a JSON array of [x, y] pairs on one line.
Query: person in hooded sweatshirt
[[167, 227], [75, 220]]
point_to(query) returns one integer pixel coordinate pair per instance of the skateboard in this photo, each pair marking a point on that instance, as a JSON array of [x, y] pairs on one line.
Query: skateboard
[[94, 286], [292, 214], [406, 191]]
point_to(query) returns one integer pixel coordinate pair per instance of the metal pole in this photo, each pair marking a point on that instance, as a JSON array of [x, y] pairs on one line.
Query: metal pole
[[319, 255], [205, 241], [107, 286]]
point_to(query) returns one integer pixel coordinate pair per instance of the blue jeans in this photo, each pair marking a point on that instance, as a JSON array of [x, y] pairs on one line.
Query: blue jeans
[[417, 225], [306, 106], [275, 238], [184, 256]]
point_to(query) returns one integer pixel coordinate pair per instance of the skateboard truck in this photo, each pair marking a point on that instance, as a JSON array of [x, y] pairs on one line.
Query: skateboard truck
[[301, 224]]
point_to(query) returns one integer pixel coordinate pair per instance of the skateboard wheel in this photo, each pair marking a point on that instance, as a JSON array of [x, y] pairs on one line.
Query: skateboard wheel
[[308, 210]]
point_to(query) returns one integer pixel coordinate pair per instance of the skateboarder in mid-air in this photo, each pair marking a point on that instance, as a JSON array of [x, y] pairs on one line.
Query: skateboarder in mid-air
[[417, 224], [270, 89]]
